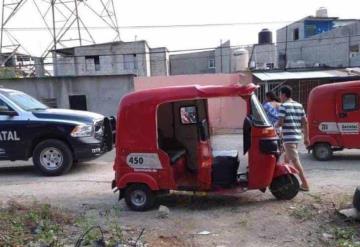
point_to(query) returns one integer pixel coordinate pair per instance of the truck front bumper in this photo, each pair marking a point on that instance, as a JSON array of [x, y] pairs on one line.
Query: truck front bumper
[[88, 148]]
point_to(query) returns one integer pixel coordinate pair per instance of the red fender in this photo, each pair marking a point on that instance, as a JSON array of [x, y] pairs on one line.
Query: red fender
[[324, 138], [138, 178], [284, 169]]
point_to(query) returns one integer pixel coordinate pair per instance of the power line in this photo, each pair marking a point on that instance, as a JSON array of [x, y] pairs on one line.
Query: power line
[[213, 48], [158, 26], [218, 47]]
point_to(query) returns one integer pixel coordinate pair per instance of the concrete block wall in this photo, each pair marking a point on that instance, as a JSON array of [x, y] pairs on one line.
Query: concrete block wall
[[223, 58], [191, 63], [103, 93], [159, 61]]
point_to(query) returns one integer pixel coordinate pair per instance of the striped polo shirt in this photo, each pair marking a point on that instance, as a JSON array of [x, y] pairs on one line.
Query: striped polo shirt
[[292, 113]]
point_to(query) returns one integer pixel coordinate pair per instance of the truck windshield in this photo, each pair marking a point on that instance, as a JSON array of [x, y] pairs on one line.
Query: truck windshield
[[26, 102], [258, 116]]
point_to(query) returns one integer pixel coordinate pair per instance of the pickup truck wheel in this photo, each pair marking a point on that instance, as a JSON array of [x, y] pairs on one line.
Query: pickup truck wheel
[[52, 157], [322, 151], [139, 197]]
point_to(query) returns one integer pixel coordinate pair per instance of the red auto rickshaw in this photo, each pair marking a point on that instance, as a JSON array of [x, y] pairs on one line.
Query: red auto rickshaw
[[334, 118], [163, 144]]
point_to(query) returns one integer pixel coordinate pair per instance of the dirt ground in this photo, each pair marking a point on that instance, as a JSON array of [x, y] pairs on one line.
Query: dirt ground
[[249, 219]]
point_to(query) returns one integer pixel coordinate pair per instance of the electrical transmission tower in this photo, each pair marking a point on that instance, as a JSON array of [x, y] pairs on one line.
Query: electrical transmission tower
[[65, 22], [8, 11]]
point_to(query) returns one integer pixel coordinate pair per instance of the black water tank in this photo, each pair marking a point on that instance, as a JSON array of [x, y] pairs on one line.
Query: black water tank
[[265, 36]]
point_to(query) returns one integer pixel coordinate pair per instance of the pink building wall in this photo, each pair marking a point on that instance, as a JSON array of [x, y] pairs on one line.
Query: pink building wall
[[226, 115]]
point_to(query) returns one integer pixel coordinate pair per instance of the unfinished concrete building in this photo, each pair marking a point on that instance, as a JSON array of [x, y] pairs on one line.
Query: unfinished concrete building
[[222, 59], [319, 41], [115, 58]]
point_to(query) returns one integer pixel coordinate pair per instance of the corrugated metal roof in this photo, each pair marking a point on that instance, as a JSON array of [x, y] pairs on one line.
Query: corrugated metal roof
[[286, 75]]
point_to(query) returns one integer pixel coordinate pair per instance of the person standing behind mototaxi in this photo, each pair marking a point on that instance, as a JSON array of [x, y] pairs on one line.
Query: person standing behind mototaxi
[[271, 107], [293, 121]]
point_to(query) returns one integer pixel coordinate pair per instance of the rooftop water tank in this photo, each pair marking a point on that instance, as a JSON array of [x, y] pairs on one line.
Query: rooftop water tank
[[322, 12], [265, 37]]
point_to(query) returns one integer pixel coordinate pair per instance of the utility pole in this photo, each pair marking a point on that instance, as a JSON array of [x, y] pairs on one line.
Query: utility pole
[[286, 46], [221, 57], [349, 48]]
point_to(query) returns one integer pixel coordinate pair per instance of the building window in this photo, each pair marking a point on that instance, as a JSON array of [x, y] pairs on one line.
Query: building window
[[296, 34], [92, 63], [211, 63], [354, 50], [270, 65], [130, 62]]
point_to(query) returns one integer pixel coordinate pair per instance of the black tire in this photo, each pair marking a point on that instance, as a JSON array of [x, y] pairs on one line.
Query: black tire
[[285, 187], [52, 157], [356, 199], [322, 151], [139, 197]]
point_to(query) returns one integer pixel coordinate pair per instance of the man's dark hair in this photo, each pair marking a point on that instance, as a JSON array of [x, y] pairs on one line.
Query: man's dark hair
[[272, 96], [286, 90]]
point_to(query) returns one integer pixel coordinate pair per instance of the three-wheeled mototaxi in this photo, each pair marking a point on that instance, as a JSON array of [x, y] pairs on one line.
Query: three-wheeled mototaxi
[[163, 144]]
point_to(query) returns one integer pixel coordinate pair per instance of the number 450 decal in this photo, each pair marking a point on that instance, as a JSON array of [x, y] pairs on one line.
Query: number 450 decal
[[136, 160], [143, 161]]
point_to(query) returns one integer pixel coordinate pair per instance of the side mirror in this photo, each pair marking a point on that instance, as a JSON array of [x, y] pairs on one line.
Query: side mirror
[[8, 113], [247, 134], [204, 130]]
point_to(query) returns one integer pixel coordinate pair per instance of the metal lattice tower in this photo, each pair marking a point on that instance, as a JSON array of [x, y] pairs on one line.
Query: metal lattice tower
[[8, 11], [64, 20]]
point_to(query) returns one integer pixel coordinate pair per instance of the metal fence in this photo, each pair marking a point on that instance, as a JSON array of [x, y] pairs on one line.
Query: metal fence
[[301, 89]]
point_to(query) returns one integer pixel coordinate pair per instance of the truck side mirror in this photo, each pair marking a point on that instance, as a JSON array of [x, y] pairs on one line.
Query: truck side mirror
[[6, 111], [9, 113]]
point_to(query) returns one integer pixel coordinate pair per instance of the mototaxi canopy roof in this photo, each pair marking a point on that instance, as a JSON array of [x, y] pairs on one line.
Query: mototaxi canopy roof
[[136, 118]]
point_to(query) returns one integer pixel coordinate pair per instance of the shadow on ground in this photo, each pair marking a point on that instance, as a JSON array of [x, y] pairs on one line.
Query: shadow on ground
[[30, 170]]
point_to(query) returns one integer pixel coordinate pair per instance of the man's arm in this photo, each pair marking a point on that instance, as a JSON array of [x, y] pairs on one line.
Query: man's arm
[[305, 127], [282, 114], [280, 122]]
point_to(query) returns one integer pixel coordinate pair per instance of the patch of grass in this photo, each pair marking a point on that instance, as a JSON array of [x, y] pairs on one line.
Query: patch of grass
[[342, 201], [346, 237], [116, 210], [85, 223], [316, 197], [303, 212], [40, 223], [116, 233], [243, 222]]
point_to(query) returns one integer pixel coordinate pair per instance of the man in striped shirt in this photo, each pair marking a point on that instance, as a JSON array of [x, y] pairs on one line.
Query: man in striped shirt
[[292, 120]]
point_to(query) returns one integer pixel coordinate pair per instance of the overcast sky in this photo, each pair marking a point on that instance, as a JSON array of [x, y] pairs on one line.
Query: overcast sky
[[168, 12]]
